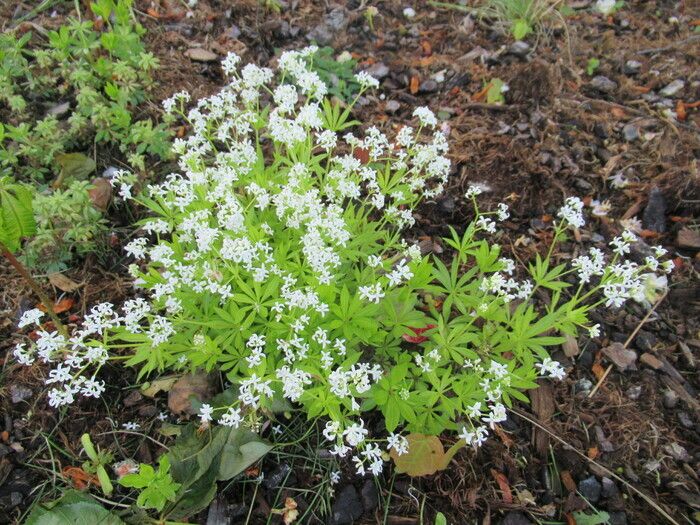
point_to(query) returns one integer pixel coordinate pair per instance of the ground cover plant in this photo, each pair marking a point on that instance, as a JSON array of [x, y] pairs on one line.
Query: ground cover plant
[[527, 363], [276, 259], [95, 73]]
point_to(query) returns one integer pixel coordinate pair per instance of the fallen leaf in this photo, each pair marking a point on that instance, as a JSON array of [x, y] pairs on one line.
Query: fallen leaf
[[598, 371], [101, 193], [567, 480], [159, 385], [681, 112], [361, 154], [426, 48], [414, 85], [199, 386], [61, 306], [63, 283], [623, 358], [593, 452], [425, 456], [78, 477], [618, 113], [503, 484]]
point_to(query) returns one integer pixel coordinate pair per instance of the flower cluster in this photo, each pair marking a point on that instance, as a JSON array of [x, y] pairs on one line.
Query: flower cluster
[[275, 257]]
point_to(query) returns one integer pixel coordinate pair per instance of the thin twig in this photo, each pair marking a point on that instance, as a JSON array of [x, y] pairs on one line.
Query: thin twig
[[609, 472], [24, 273], [677, 43], [629, 340]]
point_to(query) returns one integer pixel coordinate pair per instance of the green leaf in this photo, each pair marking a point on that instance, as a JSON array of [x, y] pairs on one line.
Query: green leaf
[[599, 518], [199, 461], [74, 508], [16, 213], [521, 28], [440, 519]]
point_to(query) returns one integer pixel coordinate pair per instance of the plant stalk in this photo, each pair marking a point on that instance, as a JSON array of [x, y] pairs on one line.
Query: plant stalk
[[35, 287]]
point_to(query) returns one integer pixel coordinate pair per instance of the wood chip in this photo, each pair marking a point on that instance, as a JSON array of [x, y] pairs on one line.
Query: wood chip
[[570, 346], [542, 399], [651, 361], [623, 358], [688, 239], [199, 54]]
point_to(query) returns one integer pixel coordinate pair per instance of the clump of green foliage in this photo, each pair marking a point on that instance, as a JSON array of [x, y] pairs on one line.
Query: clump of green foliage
[[67, 225], [337, 73], [99, 73]]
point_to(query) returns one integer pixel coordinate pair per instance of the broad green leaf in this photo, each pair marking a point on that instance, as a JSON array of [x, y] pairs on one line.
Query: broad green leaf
[[74, 508]]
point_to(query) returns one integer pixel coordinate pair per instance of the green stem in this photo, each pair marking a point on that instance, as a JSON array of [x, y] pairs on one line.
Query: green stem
[[35, 287]]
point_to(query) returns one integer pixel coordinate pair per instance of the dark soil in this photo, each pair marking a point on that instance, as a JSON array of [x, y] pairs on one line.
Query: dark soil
[[632, 448]]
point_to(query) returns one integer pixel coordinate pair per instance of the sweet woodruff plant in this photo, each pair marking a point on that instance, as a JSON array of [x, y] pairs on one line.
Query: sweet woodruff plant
[[276, 258]]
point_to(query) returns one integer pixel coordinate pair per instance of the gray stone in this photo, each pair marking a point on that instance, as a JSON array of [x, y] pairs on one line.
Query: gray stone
[[673, 88], [670, 399], [391, 106], [630, 132], [654, 217], [590, 488], [519, 49], [19, 393], [346, 508], [515, 518], [609, 488], [370, 496], [333, 23], [617, 518], [379, 70], [583, 385], [685, 420], [603, 84], [583, 184], [428, 86], [632, 67]]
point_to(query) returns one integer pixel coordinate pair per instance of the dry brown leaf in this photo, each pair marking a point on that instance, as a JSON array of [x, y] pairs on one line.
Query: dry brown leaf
[[414, 85], [63, 283], [567, 480], [199, 54], [199, 386], [598, 371], [503, 484], [100, 193]]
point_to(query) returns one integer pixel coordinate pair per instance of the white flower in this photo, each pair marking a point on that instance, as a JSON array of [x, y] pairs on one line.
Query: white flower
[[605, 6], [30, 317], [131, 425], [335, 477], [409, 12], [205, 412], [366, 80], [572, 212], [229, 63], [372, 293], [231, 418], [594, 331], [425, 116], [355, 434], [398, 443], [473, 191]]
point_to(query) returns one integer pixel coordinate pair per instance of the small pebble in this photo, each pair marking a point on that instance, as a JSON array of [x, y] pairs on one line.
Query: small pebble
[[673, 88], [634, 392], [603, 84], [590, 488], [630, 132], [670, 399], [632, 67]]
